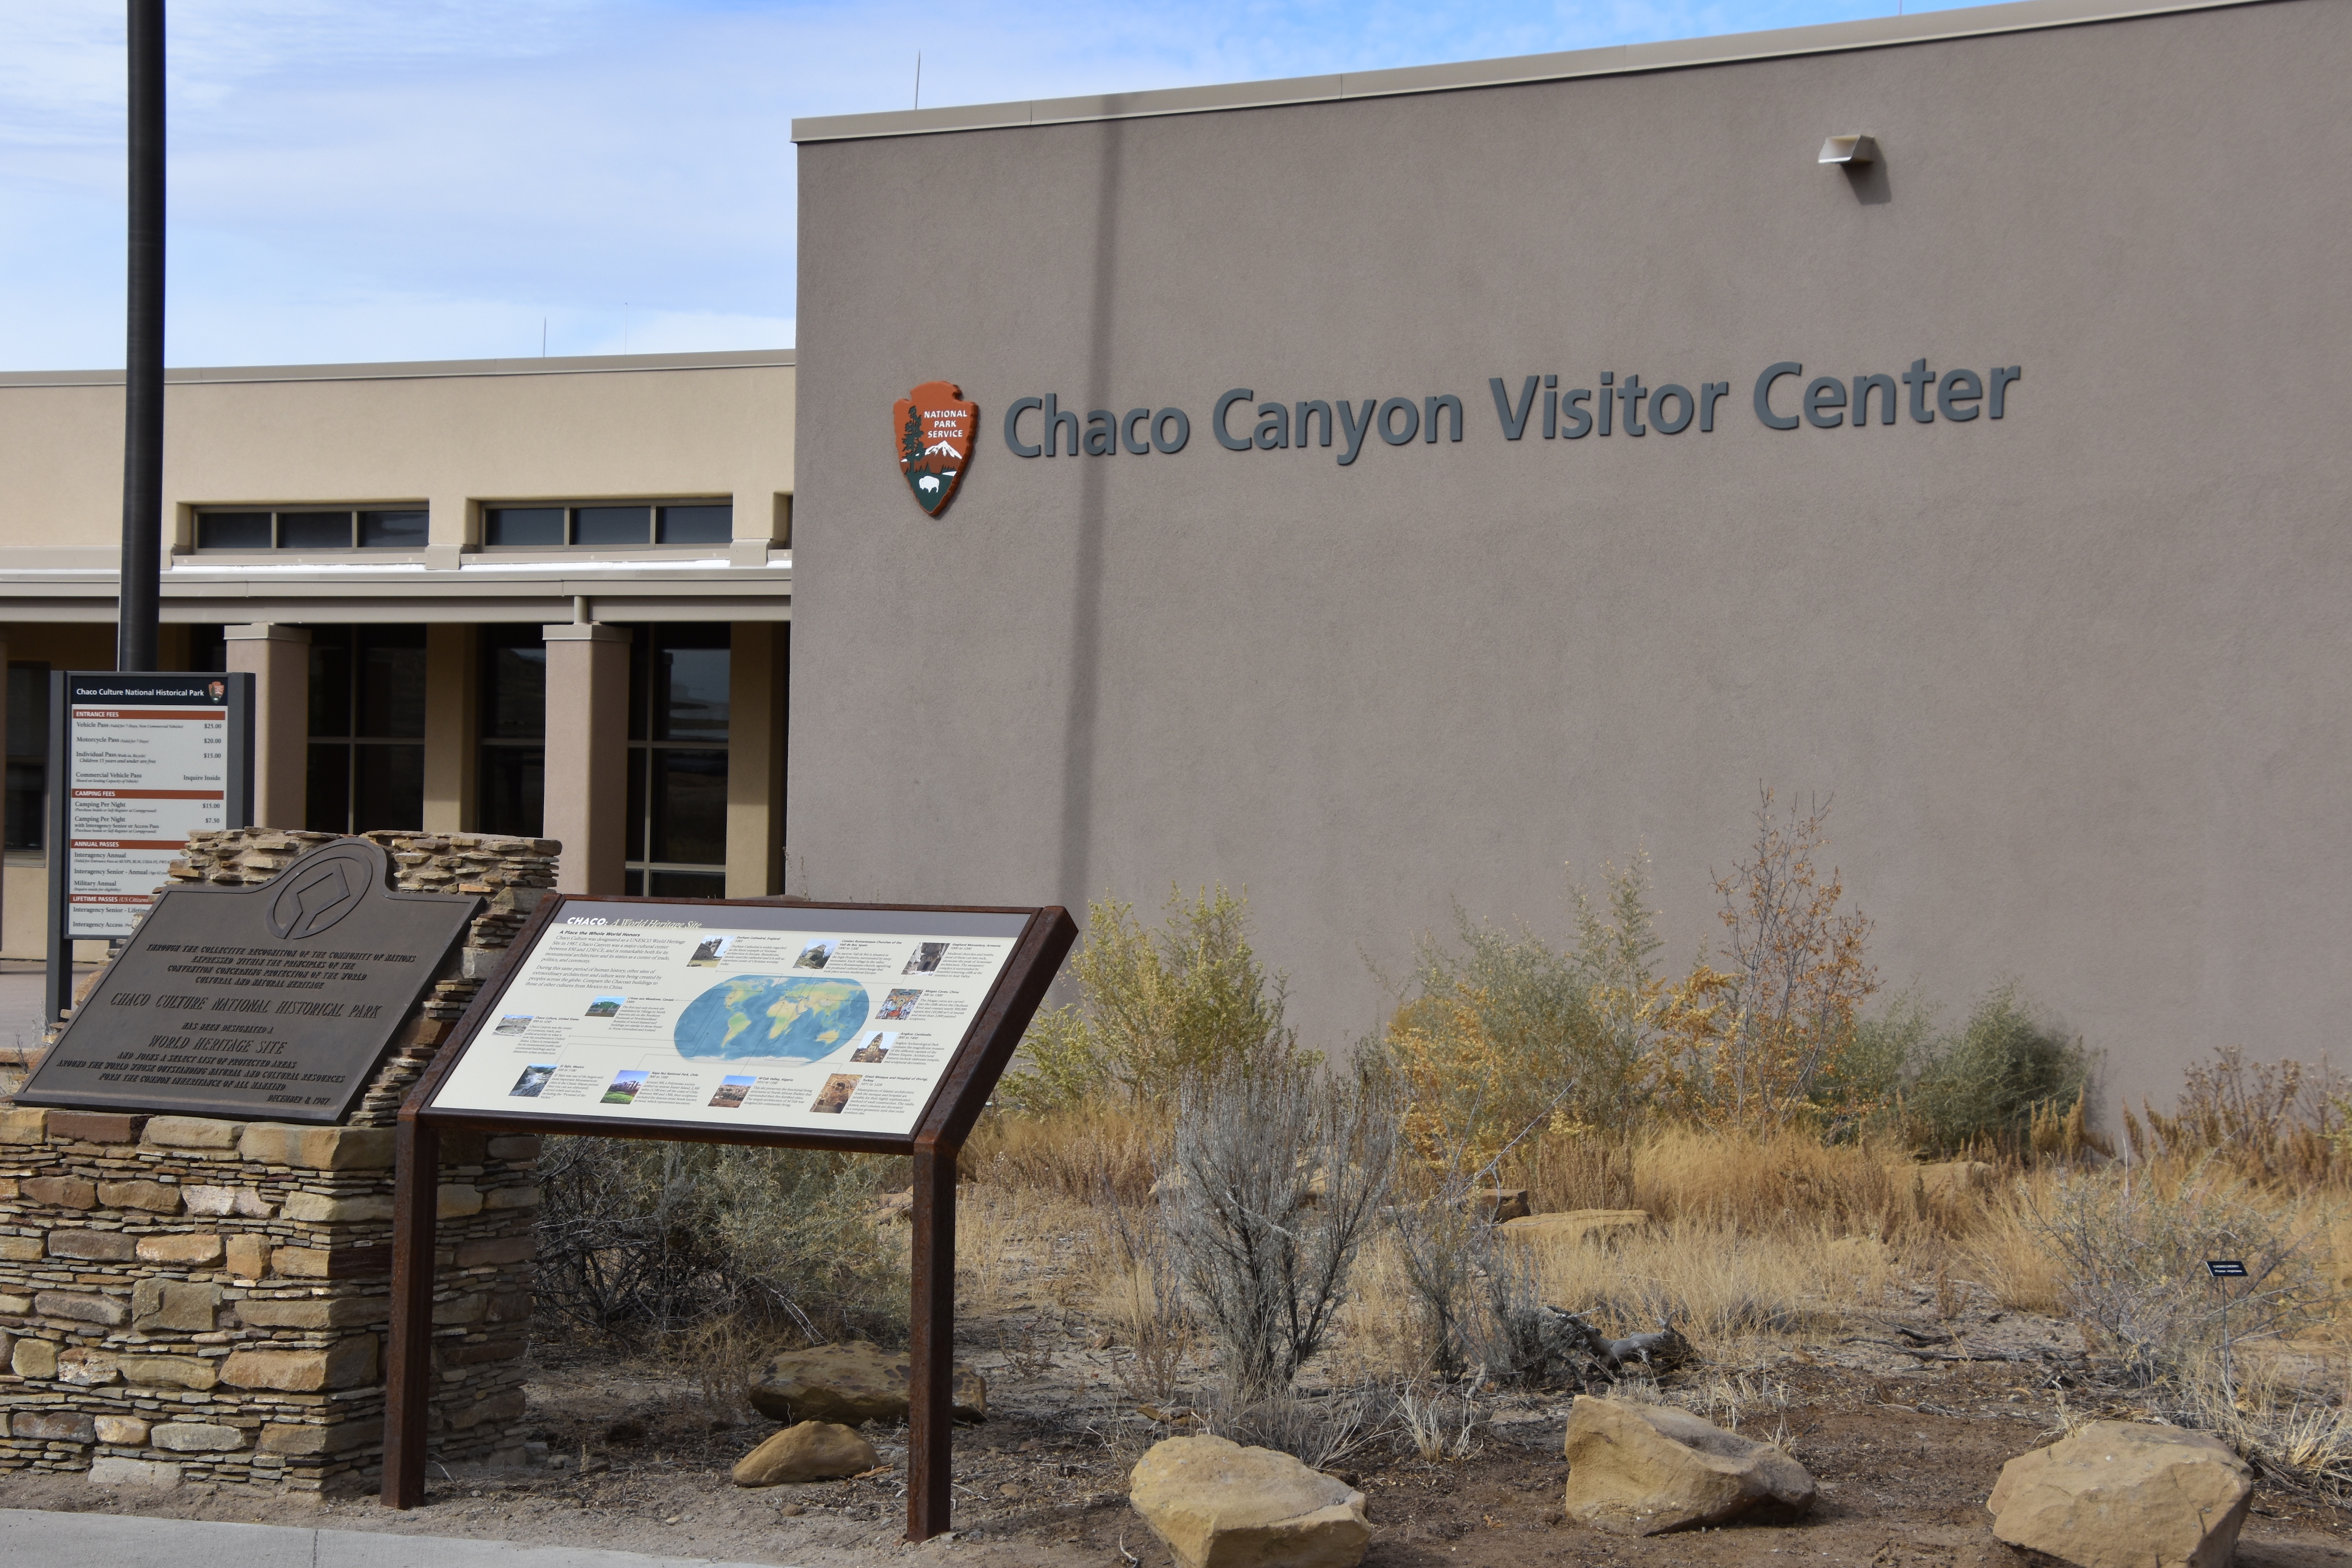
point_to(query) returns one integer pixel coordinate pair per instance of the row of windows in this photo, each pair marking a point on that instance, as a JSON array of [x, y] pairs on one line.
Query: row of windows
[[401, 529], [604, 525]]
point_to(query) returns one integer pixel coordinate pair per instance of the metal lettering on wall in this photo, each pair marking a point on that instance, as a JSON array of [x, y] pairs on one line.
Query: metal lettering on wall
[[1536, 406], [272, 1002]]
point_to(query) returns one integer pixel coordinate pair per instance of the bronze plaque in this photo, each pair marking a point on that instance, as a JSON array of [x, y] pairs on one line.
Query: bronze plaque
[[272, 1003]]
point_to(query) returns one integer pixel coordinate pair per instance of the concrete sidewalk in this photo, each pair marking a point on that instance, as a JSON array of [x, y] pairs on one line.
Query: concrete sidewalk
[[33, 1539]]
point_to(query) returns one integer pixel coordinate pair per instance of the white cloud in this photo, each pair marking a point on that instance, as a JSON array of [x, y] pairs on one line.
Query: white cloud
[[434, 178]]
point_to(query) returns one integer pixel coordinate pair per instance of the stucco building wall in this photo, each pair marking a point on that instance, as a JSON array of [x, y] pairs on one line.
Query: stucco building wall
[[2074, 677]]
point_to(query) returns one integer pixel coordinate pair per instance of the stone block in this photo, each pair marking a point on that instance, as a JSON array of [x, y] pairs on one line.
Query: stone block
[[87, 1368], [194, 1132], [809, 1451], [195, 1248], [508, 1307], [463, 1146], [217, 1200], [196, 1437], [480, 1353], [9, 1304], [506, 1405], [95, 1127], [318, 1208], [248, 1255], [457, 1201], [347, 1366], [192, 1371], [128, 1430], [36, 1358], [314, 1311], [168, 1304], [514, 1146], [111, 1246], [19, 1248], [156, 1197], [113, 1470], [1645, 1469], [318, 1148], [511, 1198], [498, 1249], [306, 1438], [1216, 1504], [81, 1307], [24, 1126], [55, 1426], [61, 1192], [461, 1310]]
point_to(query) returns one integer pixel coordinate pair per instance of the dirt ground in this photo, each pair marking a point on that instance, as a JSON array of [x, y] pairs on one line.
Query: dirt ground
[[1906, 1449]]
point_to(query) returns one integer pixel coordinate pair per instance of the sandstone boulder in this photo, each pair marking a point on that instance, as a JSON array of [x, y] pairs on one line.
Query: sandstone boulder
[[1216, 1504], [1643, 1470], [2118, 1494], [808, 1451], [1602, 1225], [852, 1383]]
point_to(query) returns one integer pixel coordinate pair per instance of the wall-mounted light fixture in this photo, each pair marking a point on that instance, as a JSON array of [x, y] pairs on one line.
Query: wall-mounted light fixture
[[1850, 151]]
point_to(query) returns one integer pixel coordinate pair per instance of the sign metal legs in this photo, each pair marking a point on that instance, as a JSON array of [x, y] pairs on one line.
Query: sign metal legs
[[408, 1363]]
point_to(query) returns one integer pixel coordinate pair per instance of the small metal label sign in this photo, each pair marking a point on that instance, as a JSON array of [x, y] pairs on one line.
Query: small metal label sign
[[2225, 1267], [272, 1002]]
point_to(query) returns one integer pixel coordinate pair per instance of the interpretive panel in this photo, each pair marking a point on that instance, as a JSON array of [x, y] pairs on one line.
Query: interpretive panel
[[748, 1014], [146, 760], [272, 1002]]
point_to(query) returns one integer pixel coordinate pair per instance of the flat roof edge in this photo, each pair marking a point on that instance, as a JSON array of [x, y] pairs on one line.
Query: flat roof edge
[[1730, 49], [417, 369]]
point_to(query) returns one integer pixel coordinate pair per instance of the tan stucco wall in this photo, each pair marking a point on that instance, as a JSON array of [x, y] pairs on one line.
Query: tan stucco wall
[[451, 441], [2077, 679]]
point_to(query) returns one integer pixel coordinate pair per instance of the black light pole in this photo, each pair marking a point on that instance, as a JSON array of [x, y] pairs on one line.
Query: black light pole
[[137, 606]]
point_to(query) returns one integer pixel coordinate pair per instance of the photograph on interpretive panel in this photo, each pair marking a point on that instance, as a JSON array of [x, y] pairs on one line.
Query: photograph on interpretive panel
[[760, 1017]]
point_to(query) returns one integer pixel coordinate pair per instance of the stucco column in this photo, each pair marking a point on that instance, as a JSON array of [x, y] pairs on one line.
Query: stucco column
[[278, 659], [587, 754], [451, 693], [755, 757]]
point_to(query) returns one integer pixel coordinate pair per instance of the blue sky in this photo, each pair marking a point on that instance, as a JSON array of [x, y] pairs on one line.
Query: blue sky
[[428, 179]]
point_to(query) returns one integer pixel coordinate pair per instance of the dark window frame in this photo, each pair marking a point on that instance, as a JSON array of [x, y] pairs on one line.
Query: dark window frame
[[356, 701], [27, 809], [641, 871], [657, 510], [356, 519]]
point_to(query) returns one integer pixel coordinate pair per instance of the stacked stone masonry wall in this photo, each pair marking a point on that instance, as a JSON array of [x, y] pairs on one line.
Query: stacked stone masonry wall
[[183, 1297]]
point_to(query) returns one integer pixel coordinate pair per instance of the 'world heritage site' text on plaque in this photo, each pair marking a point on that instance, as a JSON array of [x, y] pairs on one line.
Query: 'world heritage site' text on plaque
[[272, 1002]]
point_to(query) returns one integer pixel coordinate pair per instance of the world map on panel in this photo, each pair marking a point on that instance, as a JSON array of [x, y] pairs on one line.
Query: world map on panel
[[771, 1016]]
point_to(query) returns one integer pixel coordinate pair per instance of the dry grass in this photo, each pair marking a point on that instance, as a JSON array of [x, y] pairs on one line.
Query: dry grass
[[1098, 1149]]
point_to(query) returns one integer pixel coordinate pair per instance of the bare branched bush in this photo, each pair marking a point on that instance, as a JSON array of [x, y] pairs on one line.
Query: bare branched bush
[[1794, 981], [1274, 1183], [2133, 1257], [647, 1242]]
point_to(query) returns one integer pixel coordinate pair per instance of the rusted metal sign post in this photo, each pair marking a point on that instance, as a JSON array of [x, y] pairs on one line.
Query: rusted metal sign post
[[864, 1027]]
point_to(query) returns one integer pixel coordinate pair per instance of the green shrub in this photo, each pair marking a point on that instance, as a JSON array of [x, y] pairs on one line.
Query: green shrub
[[1154, 1008], [1984, 1086]]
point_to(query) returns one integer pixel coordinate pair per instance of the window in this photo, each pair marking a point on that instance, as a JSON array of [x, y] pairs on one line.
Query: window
[[678, 760], [367, 729], [312, 528], [607, 525], [511, 757], [29, 757]]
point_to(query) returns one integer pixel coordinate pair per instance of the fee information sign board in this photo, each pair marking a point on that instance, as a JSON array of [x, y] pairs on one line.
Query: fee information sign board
[[751, 1016], [140, 761]]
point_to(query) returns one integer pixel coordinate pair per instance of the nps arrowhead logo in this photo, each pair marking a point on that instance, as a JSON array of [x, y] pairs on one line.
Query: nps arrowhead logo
[[935, 427]]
